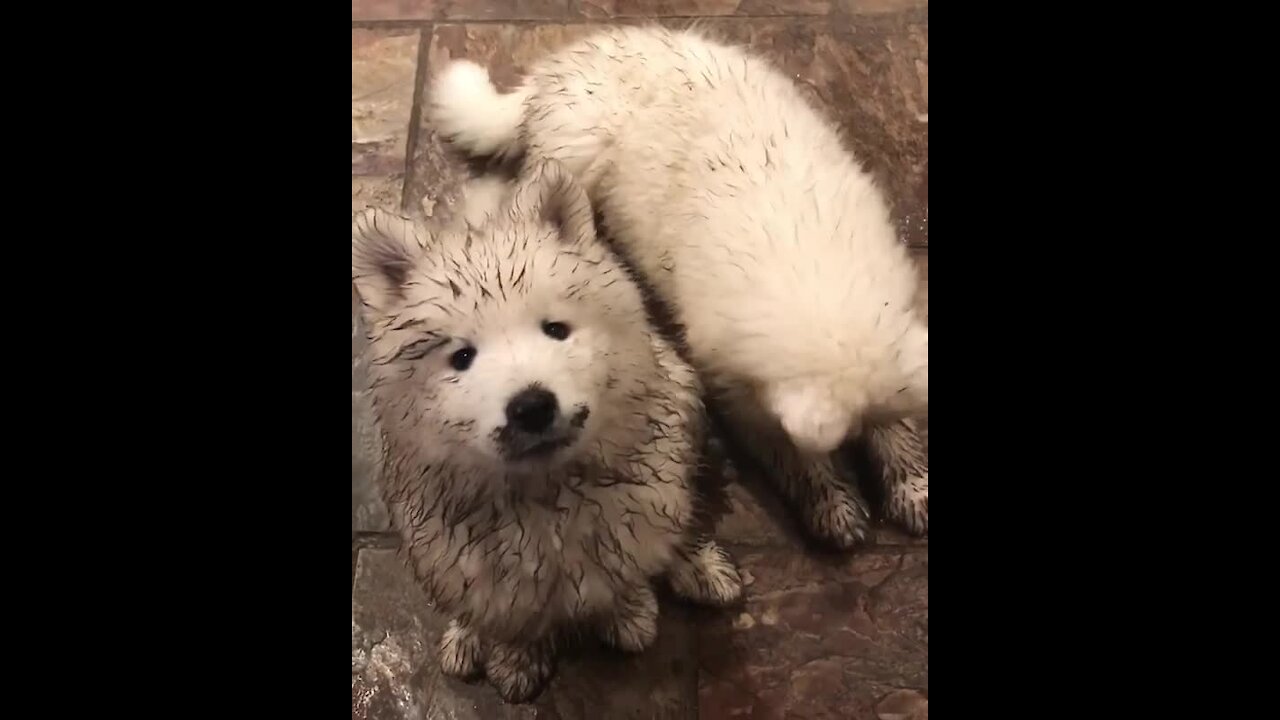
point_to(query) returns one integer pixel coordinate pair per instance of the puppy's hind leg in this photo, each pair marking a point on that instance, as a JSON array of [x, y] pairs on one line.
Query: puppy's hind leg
[[898, 455], [820, 488]]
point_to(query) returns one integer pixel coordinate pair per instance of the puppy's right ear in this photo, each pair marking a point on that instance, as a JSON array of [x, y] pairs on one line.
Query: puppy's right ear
[[384, 248]]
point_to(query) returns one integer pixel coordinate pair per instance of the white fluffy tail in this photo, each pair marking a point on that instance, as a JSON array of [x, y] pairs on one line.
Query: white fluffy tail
[[470, 112]]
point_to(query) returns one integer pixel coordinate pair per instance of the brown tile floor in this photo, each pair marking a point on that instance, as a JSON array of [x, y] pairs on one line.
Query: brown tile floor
[[818, 636]]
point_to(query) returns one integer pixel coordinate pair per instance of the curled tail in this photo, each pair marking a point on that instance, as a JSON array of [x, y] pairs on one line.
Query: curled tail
[[470, 112]]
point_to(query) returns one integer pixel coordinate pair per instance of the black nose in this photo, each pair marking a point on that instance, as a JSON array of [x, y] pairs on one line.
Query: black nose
[[532, 410]]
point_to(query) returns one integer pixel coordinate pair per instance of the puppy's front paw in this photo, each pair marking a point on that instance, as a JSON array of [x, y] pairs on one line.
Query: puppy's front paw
[[634, 625], [706, 574], [907, 503], [840, 519], [519, 673], [461, 653]]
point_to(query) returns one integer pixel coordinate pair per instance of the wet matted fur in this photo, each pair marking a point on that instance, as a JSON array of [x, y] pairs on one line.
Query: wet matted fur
[[541, 439]]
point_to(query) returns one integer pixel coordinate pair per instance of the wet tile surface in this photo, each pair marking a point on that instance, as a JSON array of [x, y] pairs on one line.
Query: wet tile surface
[[817, 636], [395, 671], [383, 68]]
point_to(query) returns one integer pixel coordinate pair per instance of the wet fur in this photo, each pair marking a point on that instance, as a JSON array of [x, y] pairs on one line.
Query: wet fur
[[520, 553]]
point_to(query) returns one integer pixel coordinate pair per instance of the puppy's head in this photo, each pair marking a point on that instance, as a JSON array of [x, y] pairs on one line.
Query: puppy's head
[[500, 342]]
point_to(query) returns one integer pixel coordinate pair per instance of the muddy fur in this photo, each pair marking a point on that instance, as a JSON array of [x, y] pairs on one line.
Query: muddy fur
[[541, 440], [736, 201]]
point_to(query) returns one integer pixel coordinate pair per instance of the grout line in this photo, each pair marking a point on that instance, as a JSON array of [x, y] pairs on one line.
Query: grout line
[[415, 121], [355, 558], [390, 24]]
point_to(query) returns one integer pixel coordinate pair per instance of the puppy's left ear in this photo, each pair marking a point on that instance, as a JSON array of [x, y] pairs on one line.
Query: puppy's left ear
[[384, 248], [550, 194]]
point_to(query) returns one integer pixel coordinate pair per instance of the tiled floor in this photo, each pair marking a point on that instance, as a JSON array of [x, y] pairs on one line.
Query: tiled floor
[[818, 636]]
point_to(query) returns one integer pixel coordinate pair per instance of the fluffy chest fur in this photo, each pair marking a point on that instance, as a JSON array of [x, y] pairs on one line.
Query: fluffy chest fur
[[522, 563]]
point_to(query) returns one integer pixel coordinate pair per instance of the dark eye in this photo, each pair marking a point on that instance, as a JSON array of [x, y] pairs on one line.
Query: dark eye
[[557, 330], [461, 360]]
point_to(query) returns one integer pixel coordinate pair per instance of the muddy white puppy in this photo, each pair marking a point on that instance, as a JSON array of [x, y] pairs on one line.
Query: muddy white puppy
[[774, 249], [541, 440]]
